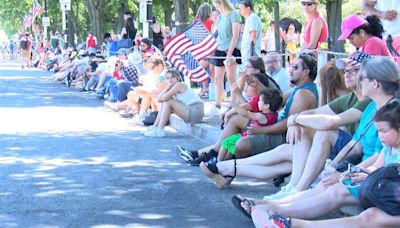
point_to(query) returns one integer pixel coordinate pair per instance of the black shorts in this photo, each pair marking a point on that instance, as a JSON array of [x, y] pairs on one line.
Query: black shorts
[[220, 62]]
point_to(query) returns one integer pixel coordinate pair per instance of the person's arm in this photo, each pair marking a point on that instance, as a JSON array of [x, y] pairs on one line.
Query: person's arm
[[368, 7], [176, 88], [251, 115], [303, 100], [235, 38], [316, 29], [328, 120]]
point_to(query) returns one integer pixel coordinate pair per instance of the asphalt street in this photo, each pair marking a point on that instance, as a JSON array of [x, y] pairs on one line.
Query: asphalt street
[[65, 161]]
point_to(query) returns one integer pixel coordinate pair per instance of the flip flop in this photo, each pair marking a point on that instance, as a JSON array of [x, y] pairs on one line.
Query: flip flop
[[237, 202]]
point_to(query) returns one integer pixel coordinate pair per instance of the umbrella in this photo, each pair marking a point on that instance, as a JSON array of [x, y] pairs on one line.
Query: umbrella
[[285, 22]]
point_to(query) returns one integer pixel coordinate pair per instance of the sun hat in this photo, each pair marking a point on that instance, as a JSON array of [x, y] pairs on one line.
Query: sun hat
[[349, 24]]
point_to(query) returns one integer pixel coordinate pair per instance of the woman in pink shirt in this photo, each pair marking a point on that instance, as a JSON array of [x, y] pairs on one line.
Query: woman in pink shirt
[[365, 34], [316, 28]]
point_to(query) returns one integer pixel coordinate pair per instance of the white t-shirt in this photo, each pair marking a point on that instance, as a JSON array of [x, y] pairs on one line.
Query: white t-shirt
[[253, 23], [390, 27]]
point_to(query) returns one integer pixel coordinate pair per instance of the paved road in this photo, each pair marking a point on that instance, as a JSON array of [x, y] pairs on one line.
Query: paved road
[[65, 161]]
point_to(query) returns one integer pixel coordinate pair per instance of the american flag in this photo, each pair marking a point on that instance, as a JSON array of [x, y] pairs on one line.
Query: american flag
[[37, 10], [27, 21], [185, 51]]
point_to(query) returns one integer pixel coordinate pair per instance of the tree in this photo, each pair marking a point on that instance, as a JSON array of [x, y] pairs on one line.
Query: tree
[[181, 14], [334, 17], [94, 9]]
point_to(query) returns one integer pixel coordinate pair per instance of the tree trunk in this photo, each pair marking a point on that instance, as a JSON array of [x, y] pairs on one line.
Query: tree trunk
[[277, 27], [120, 21], [94, 10], [168, 16], [334, 17], [181, 14]]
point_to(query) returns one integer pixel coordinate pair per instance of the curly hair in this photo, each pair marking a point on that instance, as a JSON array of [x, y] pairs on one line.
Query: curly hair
[[273, 98]]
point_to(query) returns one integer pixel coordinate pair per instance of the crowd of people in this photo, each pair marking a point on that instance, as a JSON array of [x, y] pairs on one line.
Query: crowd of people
[[329, 129]]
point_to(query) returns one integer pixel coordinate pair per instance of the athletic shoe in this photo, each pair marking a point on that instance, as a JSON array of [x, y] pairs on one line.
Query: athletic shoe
[[155, 132], [205, 158], [284, 192], [186, 155]]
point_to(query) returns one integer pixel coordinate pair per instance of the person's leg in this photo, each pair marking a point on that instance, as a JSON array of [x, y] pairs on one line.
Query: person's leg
[[102, 80], [113, 90], [300, 154], [372, 217], [236, 124], [123, 87], [321, 148], [219, 84], [321, 204], [231, 73], [260, 166]]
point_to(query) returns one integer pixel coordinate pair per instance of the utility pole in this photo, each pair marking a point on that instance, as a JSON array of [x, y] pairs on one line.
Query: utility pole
[[145, 17], [45, 21]]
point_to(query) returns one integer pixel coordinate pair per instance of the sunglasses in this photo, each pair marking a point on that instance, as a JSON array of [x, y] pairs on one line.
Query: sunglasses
[[308, 3]]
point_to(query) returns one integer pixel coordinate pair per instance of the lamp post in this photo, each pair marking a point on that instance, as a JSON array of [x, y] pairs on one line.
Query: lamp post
[[65, 6]]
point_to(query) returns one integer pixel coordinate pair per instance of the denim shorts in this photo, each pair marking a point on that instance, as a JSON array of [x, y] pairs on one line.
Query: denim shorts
[[342, 140]]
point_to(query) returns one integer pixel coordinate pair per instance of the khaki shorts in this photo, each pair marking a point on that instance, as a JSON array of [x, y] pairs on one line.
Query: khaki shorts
[[196, 112], [26, 53], [265, 142]]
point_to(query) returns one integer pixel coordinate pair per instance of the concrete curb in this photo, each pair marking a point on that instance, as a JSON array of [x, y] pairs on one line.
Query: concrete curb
[[201, 131]]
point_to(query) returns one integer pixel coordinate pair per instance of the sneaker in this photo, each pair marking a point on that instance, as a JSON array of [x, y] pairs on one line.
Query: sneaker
[[148, 129], [155, 132], [136, 121], [83, 90], [127, 113], [284, 192], [110, 105], [205, 158], [277, 181], [186, 155]]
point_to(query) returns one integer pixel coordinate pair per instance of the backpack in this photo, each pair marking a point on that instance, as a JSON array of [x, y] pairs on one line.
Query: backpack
[[91, 42], [54, 42], [23, 44], [381, 189]]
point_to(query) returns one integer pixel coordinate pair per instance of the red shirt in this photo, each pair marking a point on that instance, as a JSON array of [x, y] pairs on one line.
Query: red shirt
[[322, 36], [116, 75], [208, 23], [253, 102]]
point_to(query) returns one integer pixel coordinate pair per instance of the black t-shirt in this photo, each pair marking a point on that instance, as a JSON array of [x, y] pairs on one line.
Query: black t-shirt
[[94, 66]]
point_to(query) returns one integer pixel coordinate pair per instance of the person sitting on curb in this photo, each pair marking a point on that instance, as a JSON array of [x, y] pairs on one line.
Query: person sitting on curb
[[380, 82], [177, 98], [269, 103], [130, 78], [256, 80], [342, 112], [346, 192]]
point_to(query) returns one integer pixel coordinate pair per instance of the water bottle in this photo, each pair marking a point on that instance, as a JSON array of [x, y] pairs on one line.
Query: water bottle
[[211, 91], [328, 168], [227, 89]]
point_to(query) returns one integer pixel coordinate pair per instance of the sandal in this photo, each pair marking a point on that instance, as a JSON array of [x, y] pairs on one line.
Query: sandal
[[237, 202], [211, 171]]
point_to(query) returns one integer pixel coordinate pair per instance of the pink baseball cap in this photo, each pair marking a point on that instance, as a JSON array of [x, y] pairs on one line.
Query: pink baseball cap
[[349, 24]]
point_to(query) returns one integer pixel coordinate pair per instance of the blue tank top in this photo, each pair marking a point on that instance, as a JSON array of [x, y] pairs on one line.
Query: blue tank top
[[284, 113]]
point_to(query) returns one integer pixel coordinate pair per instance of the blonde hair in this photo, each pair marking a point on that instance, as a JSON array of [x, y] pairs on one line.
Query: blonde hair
[[227, 5]]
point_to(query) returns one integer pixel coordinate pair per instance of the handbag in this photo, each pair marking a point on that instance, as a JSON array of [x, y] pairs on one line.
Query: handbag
[[381, 189], [150, 119]]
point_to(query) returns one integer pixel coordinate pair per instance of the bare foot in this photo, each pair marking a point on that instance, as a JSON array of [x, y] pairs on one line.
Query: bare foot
[[218, 179]]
